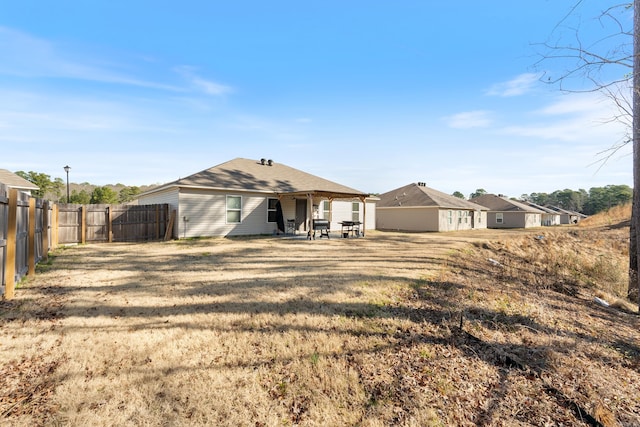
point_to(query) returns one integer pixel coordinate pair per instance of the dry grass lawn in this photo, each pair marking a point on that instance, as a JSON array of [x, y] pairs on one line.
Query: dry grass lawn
[[343, 332]]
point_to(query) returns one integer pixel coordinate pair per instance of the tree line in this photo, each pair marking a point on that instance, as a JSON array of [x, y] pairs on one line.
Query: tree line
[[85, 193], [597, 199]]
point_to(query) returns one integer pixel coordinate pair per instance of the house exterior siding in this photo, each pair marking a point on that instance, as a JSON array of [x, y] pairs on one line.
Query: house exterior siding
[[549, 219], [203, 213], [514, 220], [407, 219], [342, 210], [428, 219], [479, 220]]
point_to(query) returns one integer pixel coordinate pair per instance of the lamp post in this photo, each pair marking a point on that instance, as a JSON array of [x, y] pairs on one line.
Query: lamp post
[[67, 169]]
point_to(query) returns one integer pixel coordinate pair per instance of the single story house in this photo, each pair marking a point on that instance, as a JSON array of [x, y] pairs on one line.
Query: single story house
[[416, 207], [11, 180], [252, 197], [567, 216], [549, 216], [507, 213]]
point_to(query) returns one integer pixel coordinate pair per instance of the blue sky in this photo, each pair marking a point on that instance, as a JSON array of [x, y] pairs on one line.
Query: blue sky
[[371, 94]]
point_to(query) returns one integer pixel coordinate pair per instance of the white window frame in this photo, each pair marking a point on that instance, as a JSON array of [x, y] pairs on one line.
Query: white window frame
[[355, 211], [273, 209], [326, 209], [499, 218], [229, 210]]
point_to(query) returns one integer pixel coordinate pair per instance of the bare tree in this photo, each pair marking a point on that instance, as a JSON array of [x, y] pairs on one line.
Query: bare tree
[[635, 215], [610, 65]]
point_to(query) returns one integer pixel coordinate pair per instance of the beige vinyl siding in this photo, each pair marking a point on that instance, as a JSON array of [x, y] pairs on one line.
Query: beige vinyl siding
[[206, 214], [480, 220], [515, 220], [533, 220], [550, 219], [342, 210], [409, 219], [460, 220], [426, 219], [203, 213], [371, 215]]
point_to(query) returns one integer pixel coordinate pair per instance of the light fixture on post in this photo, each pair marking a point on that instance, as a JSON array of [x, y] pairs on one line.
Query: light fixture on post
[[67, 169]]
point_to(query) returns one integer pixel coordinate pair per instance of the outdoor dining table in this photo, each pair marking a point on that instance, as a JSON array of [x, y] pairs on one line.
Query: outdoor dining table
[[350, 228]]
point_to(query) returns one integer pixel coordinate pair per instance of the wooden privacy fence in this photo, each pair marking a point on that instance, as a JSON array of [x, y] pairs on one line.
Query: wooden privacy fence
[[111, 223], [30, 227], [25, 236]]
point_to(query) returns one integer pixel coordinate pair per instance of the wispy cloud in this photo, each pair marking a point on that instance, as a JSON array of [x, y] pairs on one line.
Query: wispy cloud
[[570, 129], [574, 117], [578, 103], [520, 85], [469, 119], [28, 56], [209, 87]]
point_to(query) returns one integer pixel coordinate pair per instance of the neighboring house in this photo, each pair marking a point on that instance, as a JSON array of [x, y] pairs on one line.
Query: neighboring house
[[549, 216], [11, 180], [416, 207], [506, 213], [249, 197], [566, 216]]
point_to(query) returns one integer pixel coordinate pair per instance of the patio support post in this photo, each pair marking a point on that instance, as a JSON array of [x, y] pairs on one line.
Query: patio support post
[[310, 214], [330, 210], [364, 214]]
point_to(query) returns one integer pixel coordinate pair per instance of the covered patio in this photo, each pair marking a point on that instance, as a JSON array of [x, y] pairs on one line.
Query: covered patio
[[314, 222]]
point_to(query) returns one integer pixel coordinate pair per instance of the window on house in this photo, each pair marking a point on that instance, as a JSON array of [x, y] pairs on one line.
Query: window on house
[[450, 217], [326, 209], [499, 218], [479, 215], [355, 211], [271, 210], [459, 217], [234, 209]]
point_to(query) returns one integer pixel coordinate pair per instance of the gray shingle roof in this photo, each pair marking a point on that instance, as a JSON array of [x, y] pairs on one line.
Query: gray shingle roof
[[502, 204], [414, 195], [12, 180], [251, 175], [542, 208]]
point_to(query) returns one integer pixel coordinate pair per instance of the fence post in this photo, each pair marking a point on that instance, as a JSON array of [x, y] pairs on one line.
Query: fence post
[[83, 224], [10, 271], [157, 222], [32, 237], [55, 215], [110, 223], [45, 230]]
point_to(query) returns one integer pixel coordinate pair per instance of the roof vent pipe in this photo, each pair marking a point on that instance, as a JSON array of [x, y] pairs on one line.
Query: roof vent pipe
[[270, 162], [262, 161]]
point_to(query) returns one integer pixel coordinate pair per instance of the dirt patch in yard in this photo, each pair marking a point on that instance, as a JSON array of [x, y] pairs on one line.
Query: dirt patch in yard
[[468, 328]]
